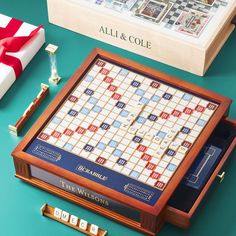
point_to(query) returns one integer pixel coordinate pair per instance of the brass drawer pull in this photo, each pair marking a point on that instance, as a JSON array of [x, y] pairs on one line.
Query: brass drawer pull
[[221, 176]]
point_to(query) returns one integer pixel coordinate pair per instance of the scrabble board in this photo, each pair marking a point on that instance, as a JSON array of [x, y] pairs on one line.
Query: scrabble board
[[128, 123], [186, 34], [122, 131]]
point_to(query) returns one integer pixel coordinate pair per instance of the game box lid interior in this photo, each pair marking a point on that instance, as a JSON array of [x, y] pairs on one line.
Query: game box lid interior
[[205, 18], [156, 207]]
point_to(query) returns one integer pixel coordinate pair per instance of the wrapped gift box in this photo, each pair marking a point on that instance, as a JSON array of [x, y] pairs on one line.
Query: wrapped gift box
[[18, 50], [182, 33]]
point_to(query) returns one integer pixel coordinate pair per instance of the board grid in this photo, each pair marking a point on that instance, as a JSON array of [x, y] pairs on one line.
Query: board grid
[[129, 123]]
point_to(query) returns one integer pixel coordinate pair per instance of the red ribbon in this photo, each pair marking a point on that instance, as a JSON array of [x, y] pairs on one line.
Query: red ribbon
[[9, 43]]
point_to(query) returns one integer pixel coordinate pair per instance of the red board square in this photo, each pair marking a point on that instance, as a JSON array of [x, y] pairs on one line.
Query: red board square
[[80, 130], [150, 166], [155, 84], [116, 96], [56, 134], [112, 88], [164, 115], [104, 71], [141, 148], [146, 157], [160, 185], [200, 108], [73, 99], [68, 132], [155, 175], [44, 136], [186, 144], [101, 160], [108, 79], [176, 113], [211, 106], [188, 111], [100, 63], [92, 128]]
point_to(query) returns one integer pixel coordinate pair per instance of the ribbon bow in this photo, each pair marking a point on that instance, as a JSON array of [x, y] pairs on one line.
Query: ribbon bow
[[9, 43]]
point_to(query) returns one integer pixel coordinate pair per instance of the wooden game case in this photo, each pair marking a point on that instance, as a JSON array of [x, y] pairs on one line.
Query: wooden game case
[[152, 218]]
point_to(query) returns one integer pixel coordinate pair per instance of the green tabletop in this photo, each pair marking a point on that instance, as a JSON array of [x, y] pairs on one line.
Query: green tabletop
[[20, 202]]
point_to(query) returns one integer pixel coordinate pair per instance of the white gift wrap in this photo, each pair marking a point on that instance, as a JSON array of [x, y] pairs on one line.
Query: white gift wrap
[[27, 52]]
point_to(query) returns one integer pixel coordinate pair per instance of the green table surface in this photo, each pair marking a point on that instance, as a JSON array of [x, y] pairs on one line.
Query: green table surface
[[20, 202]]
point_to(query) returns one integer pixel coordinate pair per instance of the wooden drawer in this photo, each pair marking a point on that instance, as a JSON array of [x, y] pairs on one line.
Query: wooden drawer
[[174, 213]]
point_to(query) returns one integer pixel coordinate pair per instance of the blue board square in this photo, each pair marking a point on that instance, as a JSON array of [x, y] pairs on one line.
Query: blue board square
[[187, 97], [121, 162], [139, 92], [124, 72], [56, 120], [72, 112], [201, 122], [170, 152], [137, 139], [84, 111], [135, 83], [141, 120], [88, 78], [113, 143], [144, 100], [105, 126], [167, 96], [155, 98], [161, 134], [99, 2], [68, 147], [89, 92], [185, 130], [124, 113], [117, 152], [134, 174], [97, 109], [93, 100], [88, 148], [171, 167], [101, 146], [120, 105], [116, 124], [152, 117]]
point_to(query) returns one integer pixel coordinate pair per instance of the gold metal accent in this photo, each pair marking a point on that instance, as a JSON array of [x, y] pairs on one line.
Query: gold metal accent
[[54, 80], [13, 129], [54, 77], [51, 48], [42, 209], [221, 176]]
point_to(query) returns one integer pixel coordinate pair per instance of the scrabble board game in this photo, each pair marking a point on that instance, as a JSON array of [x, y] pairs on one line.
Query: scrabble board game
[[128, 123], [187, 34], [124, 133]]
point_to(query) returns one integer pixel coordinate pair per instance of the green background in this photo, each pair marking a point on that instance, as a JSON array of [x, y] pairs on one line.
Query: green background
[[20, 202]]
